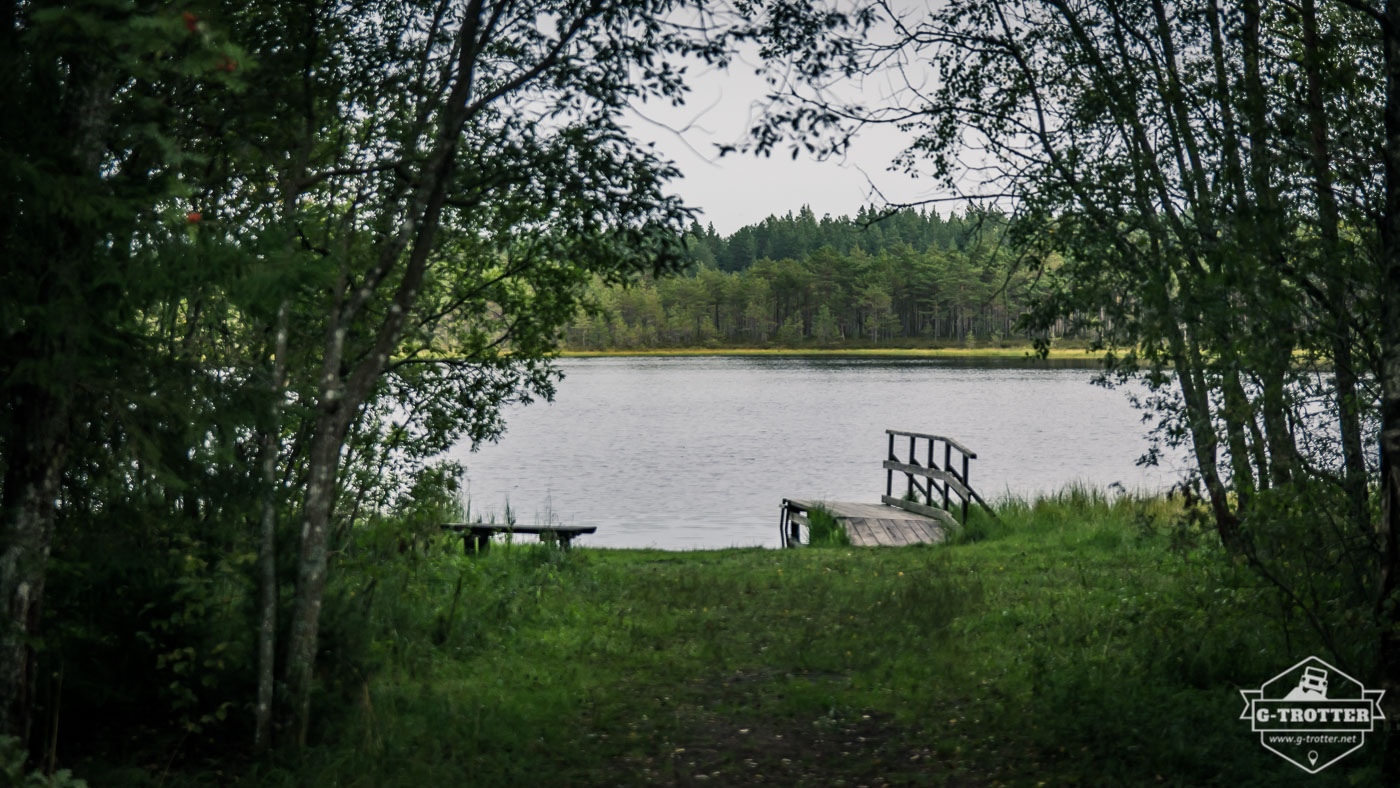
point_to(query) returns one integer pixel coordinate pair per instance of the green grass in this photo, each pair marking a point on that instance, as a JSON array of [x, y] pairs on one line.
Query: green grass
[[1078, 640], [825, 531]]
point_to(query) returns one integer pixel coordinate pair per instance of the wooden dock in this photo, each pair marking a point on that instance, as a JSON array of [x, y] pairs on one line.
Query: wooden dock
[[872, 525], [936, 486]]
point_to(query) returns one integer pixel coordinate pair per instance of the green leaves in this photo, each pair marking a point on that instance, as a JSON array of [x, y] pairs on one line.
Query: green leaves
[[927, 278]]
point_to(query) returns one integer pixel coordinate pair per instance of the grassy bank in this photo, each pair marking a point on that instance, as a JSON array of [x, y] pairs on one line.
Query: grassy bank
[[1078, 641]]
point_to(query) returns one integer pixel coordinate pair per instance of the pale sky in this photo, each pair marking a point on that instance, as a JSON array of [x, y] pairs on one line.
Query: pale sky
[[741, 189]]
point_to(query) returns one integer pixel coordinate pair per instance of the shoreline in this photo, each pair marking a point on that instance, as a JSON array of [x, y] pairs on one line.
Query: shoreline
[[818, 665], [1025, 353]]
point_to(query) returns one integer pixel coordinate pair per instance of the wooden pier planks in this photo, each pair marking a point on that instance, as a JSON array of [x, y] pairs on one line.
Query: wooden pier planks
[[859, 531], [874, 525], [941, 481]]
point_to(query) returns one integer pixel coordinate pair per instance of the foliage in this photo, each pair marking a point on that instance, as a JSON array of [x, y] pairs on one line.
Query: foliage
[[1196, 186], [12, 758], [1083, 640], [824, 530], [799, 235], [93, 387], [265, 262], [910, 276]]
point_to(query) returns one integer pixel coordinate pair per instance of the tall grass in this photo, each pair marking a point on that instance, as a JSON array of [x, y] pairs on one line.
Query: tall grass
[[824, 530], [1083, 638]]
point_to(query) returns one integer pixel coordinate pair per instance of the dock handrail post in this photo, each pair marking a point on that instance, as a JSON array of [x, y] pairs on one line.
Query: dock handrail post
[[794, 531], [968, 485], [889, 474], [948, 467], [928, 483], [913, 460]]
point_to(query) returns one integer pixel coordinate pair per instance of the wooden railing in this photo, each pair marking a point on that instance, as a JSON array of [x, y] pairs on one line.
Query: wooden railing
[[925, 477], [790, 523]]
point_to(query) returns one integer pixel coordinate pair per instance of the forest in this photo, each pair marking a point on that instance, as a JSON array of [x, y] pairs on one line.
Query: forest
[[264, 263], [880, 277]]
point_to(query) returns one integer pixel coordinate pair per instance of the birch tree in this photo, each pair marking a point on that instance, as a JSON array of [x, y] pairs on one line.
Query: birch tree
[[1208, 173], [457, 175]]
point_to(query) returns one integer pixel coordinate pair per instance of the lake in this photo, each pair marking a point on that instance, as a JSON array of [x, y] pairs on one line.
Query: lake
[[698, 452]]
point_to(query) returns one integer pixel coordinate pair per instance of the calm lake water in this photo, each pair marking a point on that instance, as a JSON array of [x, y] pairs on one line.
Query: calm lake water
[[684, 453]]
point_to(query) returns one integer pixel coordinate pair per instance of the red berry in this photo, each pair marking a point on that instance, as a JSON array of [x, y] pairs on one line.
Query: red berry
[[229, 64], [193, 217], [191, 21]]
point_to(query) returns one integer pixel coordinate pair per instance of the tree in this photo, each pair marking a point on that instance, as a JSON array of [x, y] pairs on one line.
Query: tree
[[400, 210], [824, 326], [943, 294], [1387, 18], [790, 332], [1172, 209], [91, 210], [459, 166], [874, 304]]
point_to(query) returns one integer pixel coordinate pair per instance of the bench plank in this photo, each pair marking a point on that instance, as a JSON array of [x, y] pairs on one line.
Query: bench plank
[[500, 528], [481, 533]]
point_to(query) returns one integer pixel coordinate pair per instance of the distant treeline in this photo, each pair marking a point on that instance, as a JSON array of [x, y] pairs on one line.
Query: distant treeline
[[798, 280]]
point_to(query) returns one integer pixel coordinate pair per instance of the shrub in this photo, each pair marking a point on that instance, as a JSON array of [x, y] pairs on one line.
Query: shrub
[[824, 530]]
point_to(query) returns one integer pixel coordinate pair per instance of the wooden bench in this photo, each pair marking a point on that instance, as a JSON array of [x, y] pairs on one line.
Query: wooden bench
[[481, 533]]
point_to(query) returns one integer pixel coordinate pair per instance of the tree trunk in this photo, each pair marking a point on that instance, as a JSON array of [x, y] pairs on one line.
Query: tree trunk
[[1348, 411], [1389, 531], [1186, 357], [41, 415], [1234, 414], [34, 464], [1282, 449], [340, 398], [267, 550], [311, 571], [1269, 232]]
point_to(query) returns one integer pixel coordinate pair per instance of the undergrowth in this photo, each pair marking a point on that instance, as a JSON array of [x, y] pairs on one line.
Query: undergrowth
[[824, 530], [1080, 639]]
